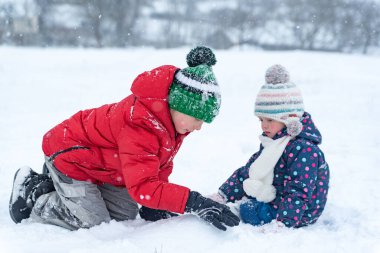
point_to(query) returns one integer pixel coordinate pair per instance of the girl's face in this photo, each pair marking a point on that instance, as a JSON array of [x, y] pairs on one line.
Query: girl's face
[[270, 127], [184, 123]]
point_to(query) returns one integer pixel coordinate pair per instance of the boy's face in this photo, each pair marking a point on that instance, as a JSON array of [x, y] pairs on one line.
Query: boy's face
[[184, 123], [270, 127]]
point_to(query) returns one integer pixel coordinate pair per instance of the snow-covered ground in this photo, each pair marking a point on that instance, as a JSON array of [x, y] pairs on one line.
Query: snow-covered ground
[[41, 87]]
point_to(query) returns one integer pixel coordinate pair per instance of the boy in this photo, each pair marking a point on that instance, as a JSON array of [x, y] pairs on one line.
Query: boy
[[103, 162]]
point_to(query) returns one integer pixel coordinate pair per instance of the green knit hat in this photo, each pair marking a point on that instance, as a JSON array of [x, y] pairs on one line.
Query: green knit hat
[[194, 90]]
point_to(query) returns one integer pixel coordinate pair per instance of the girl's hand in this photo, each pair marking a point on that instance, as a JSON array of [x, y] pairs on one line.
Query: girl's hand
[[218, 198]]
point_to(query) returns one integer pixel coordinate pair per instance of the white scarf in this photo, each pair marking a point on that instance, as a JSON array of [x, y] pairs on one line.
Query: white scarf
[[260, 180]]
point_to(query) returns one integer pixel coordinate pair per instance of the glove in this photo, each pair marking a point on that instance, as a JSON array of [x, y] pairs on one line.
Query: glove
[[212, 212], [150, 214], [256, 213]]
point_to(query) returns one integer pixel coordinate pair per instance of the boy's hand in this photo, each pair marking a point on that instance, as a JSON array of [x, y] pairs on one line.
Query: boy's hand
[[213, 212], [150, 214]]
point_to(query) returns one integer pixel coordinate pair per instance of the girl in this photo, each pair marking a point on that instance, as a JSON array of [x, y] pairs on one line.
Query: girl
[[287, 179]]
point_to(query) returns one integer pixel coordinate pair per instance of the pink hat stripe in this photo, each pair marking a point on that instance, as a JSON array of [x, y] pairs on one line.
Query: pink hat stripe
[[279, 98], [296, 94]]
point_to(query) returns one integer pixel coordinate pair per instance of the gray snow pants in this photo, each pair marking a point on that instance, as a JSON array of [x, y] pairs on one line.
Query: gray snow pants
[[80, 204]]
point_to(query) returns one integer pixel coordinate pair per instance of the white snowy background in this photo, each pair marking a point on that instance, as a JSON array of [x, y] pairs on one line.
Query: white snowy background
[[39, 88]]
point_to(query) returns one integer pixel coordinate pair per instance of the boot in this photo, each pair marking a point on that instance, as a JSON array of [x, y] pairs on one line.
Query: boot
[[27, 187]]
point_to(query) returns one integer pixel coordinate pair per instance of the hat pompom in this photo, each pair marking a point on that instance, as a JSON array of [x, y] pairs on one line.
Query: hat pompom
[[200, 55], [294, 126], [277, 74]]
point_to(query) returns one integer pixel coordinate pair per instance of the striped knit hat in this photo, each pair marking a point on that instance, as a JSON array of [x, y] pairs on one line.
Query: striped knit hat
[[280, 100], [194, 90]]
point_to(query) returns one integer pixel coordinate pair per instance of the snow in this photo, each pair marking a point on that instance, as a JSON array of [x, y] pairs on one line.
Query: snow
[[22, 174], [41, 87]]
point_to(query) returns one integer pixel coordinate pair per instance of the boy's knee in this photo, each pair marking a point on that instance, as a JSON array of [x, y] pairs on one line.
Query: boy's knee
[[133, 213], [129, 212]]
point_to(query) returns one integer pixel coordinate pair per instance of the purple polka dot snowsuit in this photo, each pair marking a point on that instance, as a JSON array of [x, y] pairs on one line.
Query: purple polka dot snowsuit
[[301, 178]]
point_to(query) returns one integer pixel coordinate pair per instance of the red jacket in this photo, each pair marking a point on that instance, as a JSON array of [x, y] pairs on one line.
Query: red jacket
[[129, 143]]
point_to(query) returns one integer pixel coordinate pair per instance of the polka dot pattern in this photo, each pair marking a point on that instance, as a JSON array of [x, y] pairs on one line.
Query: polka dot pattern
[[301, 178]]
